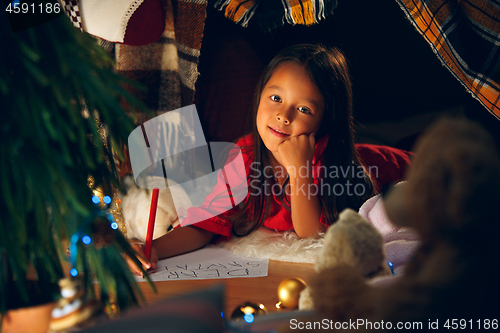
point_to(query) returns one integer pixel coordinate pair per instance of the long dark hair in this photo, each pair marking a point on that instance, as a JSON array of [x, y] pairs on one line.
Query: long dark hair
[[328, 69]]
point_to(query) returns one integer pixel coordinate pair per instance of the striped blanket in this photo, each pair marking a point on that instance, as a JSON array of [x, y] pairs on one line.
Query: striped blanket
[[465, 36], [271, 14]]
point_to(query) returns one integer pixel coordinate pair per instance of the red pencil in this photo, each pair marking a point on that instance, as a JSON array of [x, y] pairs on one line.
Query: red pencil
[[151, 223]]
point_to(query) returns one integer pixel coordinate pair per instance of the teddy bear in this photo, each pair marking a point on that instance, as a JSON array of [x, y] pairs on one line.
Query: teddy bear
[[450, 198], [353, 241]]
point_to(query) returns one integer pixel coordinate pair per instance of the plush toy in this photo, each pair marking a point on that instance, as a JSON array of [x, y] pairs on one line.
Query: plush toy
[[450, 198], [352, 241]]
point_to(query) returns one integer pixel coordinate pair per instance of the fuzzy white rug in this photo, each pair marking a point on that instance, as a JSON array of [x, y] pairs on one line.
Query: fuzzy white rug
[[269, 244]]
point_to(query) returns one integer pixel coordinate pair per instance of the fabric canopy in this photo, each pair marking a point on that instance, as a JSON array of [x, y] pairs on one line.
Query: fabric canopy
[[465, 36], [271, 14]]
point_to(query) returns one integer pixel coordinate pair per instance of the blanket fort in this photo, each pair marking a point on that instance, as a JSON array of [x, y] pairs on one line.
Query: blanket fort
[[208, 263]]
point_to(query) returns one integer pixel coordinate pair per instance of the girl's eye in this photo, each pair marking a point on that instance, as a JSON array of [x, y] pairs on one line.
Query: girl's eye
[[276, 98], [303, 109]]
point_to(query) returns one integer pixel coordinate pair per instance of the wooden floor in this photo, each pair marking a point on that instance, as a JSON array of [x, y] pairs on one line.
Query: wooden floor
[[258, 290]]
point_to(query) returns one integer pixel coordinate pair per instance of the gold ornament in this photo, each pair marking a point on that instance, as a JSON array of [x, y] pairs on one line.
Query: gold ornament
[[289, 292], [248, 308]]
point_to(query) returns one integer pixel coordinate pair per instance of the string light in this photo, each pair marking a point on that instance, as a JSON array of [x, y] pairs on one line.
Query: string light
[[86, 240], [73, 272], [249, 318], [114, 225], [107, 199], [95, 199], [391, 267]]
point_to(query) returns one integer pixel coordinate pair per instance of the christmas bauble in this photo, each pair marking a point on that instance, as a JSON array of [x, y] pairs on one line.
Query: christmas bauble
[[289, 292]]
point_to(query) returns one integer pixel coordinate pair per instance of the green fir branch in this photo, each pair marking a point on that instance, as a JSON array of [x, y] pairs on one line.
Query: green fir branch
[[56, 85]]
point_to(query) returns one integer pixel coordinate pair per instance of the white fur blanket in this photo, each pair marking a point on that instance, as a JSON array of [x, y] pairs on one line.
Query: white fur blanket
[[399, 243], [270, 244]]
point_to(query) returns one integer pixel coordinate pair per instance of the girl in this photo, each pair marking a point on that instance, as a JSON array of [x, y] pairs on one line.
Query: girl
[[301, 163]]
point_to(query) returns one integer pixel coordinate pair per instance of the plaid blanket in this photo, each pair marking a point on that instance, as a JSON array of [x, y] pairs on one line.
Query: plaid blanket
[[272, 14], [465, 36], [169, 67]]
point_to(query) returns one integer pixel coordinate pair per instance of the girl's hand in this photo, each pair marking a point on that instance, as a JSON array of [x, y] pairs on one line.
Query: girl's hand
[[296, 152], [147, 264]]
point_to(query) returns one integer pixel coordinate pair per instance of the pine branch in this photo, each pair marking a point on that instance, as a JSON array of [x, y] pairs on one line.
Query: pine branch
[[56, 86]]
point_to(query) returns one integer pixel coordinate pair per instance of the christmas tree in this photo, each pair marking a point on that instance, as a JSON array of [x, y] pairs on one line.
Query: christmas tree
[[62, 109]]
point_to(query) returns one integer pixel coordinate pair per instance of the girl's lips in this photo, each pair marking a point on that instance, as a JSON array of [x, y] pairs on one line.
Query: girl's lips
[[278, 133]]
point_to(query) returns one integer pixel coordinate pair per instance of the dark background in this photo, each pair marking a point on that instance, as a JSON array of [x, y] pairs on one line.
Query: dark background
[[399, 84]]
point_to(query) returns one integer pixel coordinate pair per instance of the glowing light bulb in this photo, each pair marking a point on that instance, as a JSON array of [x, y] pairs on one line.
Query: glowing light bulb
[[86, 240], [249, 318]]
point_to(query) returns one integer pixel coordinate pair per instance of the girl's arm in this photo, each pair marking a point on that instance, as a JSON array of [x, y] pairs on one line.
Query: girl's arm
[[295, 154], [305, 205], [178, 241], [182, 240]]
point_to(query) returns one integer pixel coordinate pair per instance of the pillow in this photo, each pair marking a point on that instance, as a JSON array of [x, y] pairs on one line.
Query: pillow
[[386, 165], [146, 24], [124, 21]]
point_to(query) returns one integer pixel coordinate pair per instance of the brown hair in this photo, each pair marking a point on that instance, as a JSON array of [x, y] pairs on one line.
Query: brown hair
[[328, 69]]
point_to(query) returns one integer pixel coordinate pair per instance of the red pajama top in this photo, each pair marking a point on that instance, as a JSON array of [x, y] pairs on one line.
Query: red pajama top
[[393, 160]]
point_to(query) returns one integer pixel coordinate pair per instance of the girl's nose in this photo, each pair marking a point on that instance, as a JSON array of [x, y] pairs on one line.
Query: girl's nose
[[283, 119]]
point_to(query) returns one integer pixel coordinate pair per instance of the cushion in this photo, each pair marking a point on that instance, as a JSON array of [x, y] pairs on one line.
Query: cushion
[[146, 24], [386, 165], [124, 21]]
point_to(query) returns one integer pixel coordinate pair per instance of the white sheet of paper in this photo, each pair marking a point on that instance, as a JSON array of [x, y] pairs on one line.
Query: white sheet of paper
[[207, 263]]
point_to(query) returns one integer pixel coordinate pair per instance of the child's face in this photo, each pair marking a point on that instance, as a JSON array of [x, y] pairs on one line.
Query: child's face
[[290, 105]]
